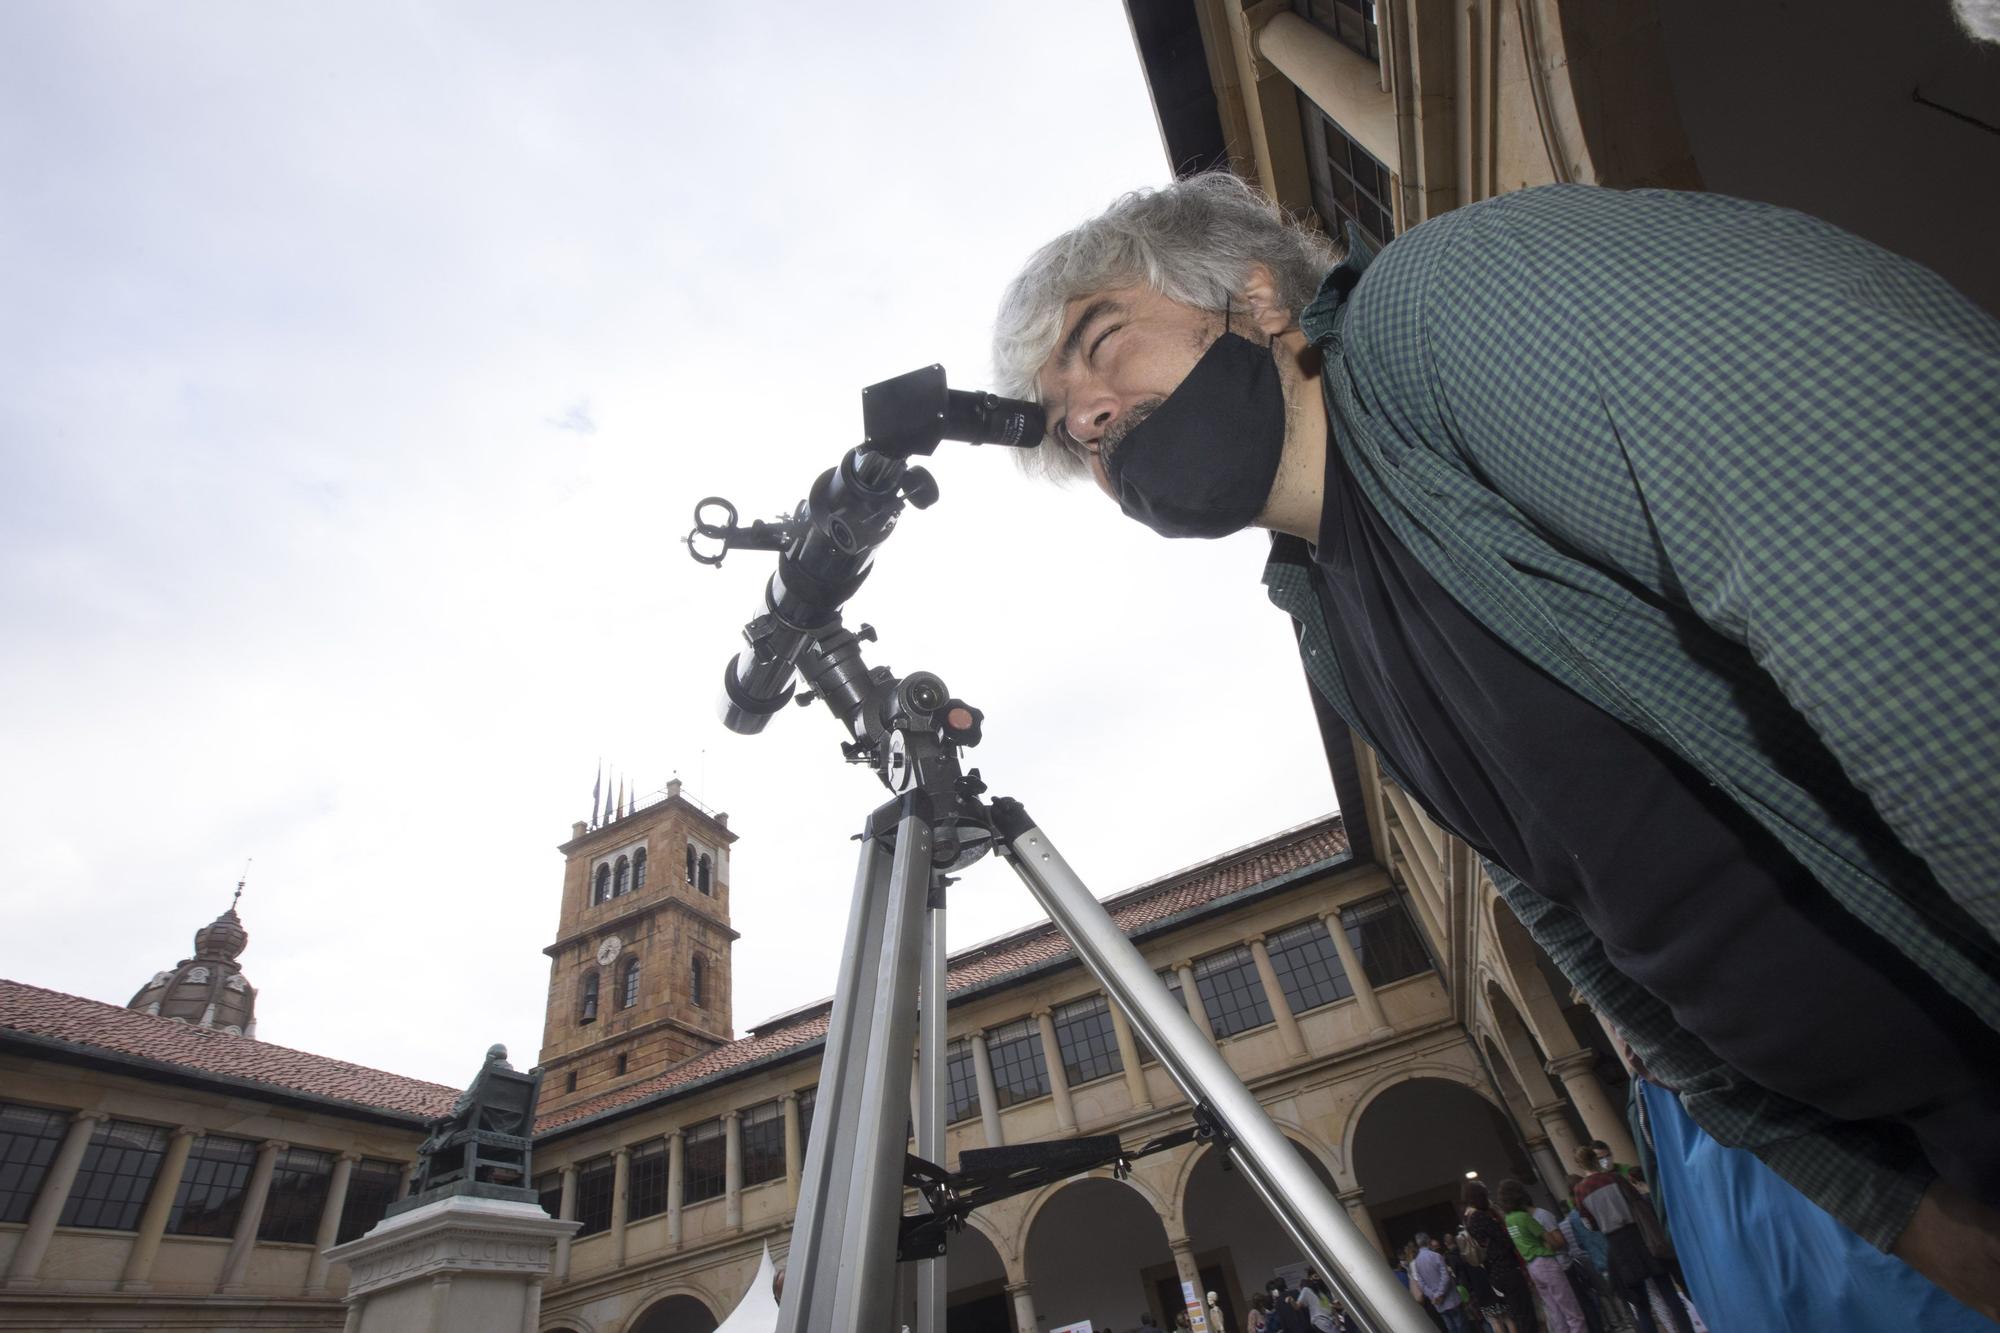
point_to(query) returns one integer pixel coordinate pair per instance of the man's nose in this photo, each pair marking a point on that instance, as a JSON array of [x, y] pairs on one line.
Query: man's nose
[[1090, 416]]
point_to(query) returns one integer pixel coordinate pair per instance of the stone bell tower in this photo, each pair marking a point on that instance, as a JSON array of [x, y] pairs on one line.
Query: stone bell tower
[[209, 989], [639, 974]]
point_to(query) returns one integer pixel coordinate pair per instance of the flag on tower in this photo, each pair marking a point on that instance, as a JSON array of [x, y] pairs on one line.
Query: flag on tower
[[596, 791]]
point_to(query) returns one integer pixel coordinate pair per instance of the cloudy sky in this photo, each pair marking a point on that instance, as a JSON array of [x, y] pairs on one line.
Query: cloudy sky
[[360, 368]]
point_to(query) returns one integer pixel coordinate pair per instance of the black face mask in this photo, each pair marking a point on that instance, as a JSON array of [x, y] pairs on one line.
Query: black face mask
[[1202, 464]]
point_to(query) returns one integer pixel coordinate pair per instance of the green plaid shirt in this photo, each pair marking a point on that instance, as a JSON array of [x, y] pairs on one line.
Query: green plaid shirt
[[1732, 475]]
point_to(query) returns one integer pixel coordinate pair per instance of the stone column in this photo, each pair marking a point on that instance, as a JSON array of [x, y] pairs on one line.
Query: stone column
[[1551, 1116], [243, 1243], [329, 1221], [1128, 1056], [159, 1207], [676, 1184], [989, 1100], [1191, 996], [794, 1148], [25, 1269], [1554, 1176], [565, 1212], [1364, 989], [1024, 1307], [732, 1170], [1185, 1269], [621, 1194], [1578, 1072], [1274, 995], [1356, 1209], [1058, 1076]]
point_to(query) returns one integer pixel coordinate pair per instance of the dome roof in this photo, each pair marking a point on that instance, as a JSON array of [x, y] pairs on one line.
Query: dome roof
[[223, 937]]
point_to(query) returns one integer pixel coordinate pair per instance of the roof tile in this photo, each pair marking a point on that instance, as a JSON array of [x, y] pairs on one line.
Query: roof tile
[[52, 1015]]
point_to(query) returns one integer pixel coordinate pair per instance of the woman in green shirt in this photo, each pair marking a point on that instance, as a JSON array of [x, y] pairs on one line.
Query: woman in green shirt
[[1537, 1249]]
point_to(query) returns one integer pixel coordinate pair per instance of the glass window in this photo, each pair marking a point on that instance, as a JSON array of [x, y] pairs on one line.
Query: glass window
[[602, 892], [1385, 939], [1351, 22], [961, 1083], [647, 1193], [698, 981], [1087, 1040], [298, 1196], [594, 1180], [639, 870], [1308, 966], [807, 1100], [705, 1163], [374, 1185], [548, 1190], [29, 1137], [704, 870], [628, 989], [621, 878], [763, 1131], [690, 866], [117, 1171], [1171, 979], [1348, 185], [1231, 991], [1020, 1072], [210, 1193]]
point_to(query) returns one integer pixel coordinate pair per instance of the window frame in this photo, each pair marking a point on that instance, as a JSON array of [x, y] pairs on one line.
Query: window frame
[[587, 997], [760, 1132], [221, 1198], [291, 1215], [1308, 982], [628, 982], [1232, 992], [961, 1082], [596, 1185], [1414, 947], [1013, 1049], [99, 1189], [646, 1184], [26, 1154], [373, 1178], [696, 1170], [1098, 1046]]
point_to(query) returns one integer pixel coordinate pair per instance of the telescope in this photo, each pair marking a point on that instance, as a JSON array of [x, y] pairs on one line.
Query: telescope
[[849, 1232], [828, 545]]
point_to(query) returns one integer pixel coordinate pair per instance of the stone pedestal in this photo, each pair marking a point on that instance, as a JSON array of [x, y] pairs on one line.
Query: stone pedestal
[[459, 1264]]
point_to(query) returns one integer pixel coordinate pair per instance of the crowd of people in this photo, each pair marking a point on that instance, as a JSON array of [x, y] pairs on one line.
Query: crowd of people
[[1604, 1265]]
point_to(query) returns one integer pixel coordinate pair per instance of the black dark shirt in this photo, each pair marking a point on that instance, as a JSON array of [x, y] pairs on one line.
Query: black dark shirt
[[1691, 898]]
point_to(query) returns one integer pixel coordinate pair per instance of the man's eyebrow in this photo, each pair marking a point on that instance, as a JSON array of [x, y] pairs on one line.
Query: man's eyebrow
[[1067, 353]]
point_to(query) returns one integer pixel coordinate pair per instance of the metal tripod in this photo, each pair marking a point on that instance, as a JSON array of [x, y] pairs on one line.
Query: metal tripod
[[890, 998]]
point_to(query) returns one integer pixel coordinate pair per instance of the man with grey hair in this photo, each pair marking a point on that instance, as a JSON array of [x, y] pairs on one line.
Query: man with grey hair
[[1645, 537]]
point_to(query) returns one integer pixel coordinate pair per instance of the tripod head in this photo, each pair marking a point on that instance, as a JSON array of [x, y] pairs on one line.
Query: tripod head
[[825, 552]]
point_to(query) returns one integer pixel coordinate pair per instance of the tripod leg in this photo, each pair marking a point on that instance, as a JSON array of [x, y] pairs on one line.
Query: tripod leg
[[841, 1270], [930, 1104], [1274, 1169]]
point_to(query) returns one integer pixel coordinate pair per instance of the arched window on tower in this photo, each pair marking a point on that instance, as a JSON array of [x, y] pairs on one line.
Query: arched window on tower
[[586, 1009], [628, 984], [603, 890], [698, 981], [690, 863], [621, 879], [703, 869], [638, 870]]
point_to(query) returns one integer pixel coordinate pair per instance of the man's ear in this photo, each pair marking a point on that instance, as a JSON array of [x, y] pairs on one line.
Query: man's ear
[[1267, 311]]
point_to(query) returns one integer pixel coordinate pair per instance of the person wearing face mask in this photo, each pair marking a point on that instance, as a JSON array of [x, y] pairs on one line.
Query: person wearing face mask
[[1645, 539]]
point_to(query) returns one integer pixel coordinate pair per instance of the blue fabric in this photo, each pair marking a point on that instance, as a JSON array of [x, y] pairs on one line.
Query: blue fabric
[[1759, 1257]]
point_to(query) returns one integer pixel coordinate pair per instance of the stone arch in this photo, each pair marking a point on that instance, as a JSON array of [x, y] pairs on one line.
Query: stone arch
[[1415, 1142], [977, 1273], [1231, 1231], [674, 1310], [1161, 1208], [1431, 1069], [1097, 1248], [1324, 1161]]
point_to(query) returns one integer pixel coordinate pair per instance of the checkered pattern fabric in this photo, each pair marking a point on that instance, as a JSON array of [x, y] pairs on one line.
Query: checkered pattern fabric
[[1727, 472]]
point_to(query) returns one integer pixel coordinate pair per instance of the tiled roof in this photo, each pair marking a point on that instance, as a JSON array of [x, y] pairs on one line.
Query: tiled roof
[[1135, 910], [54, 1016]]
